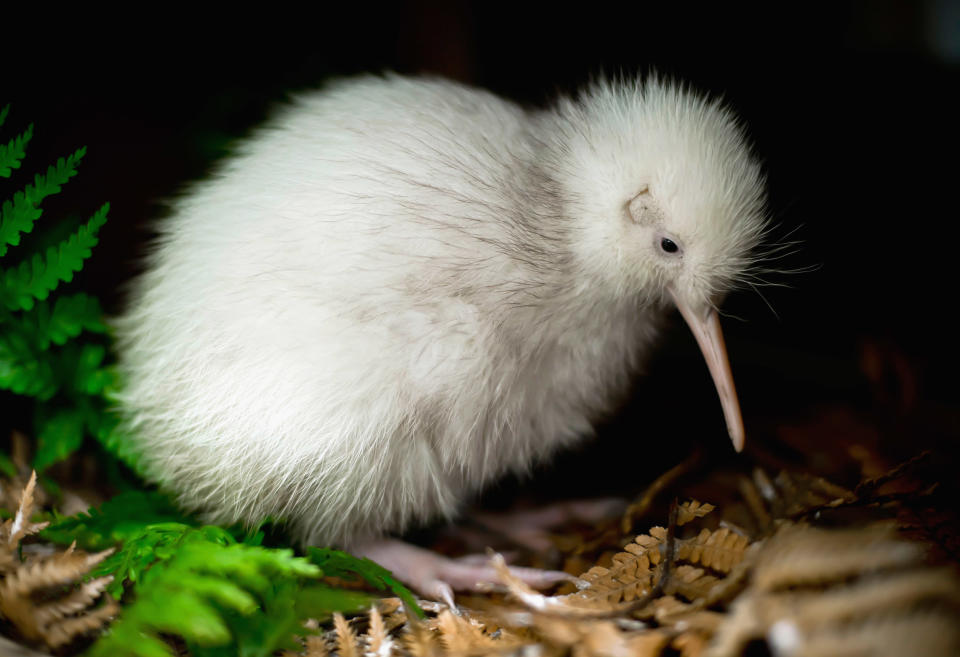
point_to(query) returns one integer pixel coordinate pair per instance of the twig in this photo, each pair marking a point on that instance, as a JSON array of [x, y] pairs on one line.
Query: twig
[[641, 506], [870, 485], [880, 500]]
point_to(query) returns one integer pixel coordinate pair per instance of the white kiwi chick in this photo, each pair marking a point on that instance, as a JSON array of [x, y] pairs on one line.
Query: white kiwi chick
[[401, 289]]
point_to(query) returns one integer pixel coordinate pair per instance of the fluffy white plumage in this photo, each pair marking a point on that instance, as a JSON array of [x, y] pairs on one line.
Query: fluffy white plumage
[[400, 289]]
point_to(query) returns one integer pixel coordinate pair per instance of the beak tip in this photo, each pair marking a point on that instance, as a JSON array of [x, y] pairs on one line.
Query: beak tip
[[738, 440]]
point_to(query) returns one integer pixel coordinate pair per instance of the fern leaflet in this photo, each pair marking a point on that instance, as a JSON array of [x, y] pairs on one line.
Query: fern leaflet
[[18, 216], [119, 519], [59, 322], [14, 151], [35, 278], [22, 370], [59, 434]]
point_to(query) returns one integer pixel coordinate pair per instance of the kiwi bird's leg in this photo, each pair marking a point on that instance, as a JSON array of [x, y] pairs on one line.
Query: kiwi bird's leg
[[530, 528], [437, 577]]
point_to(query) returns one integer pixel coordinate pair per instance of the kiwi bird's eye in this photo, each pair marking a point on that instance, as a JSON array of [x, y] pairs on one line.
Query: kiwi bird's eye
[[668, 245]]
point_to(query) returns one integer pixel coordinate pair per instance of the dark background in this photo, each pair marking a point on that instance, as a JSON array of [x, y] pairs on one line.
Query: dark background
[[851, 106]]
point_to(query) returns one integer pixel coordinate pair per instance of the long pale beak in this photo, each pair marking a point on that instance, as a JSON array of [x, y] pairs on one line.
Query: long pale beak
[[706, 329]]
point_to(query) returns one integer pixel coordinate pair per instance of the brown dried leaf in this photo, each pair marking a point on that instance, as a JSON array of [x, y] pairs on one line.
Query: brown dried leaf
[[629, 577], [419, 641], [690, 644], [598, 638], [461, 637], [73, 603], [803, 556], [852, 579], [16, 528], [920, 633], [316, 646], [346, 639], [689, 511], [647, 644], [719, 550], [894, 592], [58, 570], [58, 621], [379, 643], [66, 630], [690, 582], [800, 492]]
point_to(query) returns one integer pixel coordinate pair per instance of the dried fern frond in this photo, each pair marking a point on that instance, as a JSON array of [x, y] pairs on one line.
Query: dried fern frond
[[690, 644], [59, 617], [419, 641], [629, 576], [691, 510], [719, 550], [379, 643], [347, 645], [45, 598], [14, 529], [669, 612], [59, 570], [462, 637], [690, 582], [800, 555], [815, 592], [920, 633], [598, 638]]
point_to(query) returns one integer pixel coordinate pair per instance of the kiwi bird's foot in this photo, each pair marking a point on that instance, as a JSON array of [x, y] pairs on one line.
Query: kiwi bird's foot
[[437, 577]]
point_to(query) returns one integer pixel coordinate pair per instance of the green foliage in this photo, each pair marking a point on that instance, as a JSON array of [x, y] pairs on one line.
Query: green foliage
[[7, 466], [219, 590], [14, 151], [216, 588], [220, 596], [340, 564], [47, 348], [69, 316], [34, 279], [153, 543], [118, 520], [20, 213]]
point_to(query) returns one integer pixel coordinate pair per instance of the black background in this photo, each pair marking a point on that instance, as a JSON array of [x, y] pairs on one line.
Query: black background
[[850, 105]]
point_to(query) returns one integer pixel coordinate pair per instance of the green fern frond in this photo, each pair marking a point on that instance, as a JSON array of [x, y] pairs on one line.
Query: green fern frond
[[23, 370], [59, 434], [3, 114], [153, 543], [7, 467], [33, 279], [207, 592], [118, 520], [58, 322], [19, 215], [13, 152], [107, 429], [340, 564], [80, 368]]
